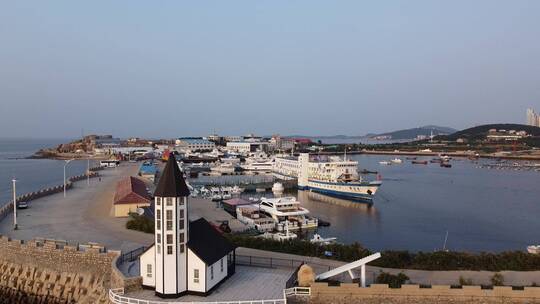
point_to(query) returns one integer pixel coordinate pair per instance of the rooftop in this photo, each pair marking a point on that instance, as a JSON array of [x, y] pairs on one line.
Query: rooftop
[[131, 190]]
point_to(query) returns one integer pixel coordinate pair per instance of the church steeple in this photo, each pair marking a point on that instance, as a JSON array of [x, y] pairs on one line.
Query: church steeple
[[171, 182]]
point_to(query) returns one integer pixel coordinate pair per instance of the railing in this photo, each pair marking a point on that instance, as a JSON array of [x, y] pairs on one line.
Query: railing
[[131, 255], [296, 291], [270, 262], [291, 282], [116, 296]]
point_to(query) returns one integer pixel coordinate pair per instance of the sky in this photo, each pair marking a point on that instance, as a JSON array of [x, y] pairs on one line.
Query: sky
[[166, 69]]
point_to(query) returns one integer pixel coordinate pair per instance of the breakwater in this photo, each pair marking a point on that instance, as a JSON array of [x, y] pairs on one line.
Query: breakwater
[[7, 208]]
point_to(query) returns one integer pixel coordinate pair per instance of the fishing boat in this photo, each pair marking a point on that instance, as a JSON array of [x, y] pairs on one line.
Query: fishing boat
[[420, 162], [397, 160]]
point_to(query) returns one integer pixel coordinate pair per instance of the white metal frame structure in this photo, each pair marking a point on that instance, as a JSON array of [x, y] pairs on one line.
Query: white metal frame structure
[[349, 267]]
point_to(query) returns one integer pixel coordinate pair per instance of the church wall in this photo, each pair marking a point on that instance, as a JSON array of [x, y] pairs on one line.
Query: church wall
[[196, 263], [218, 274]]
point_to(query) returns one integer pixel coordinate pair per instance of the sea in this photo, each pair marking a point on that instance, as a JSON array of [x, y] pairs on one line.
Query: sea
[[32, 174], [417, 205]]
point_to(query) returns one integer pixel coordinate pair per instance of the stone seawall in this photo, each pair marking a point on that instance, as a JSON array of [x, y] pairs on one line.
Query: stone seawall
[[7, 208], [381, 293], [50, 271]]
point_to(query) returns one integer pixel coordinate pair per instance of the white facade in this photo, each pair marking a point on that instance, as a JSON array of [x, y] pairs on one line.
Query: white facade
[[246, 147], [533, 118], [171, 237], [195, 144], [196, 273]]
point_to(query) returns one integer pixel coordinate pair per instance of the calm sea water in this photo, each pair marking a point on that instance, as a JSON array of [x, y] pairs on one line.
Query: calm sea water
[[482, 209], [32, 174]]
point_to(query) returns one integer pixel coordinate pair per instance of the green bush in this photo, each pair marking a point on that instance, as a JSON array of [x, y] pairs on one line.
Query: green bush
[[515, 260], [497, 279], [394, 281], [465, 282], [140, 223]]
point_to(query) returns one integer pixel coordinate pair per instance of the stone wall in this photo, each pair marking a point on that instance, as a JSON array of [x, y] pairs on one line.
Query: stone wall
[[49, 271], [7, 208], [381, 293]]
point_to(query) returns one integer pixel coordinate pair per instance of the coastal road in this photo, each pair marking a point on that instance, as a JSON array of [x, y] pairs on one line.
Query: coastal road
[[85, 215]]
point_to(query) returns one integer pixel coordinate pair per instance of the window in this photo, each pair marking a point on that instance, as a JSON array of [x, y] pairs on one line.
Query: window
[[158, 219], [169, 249], [212, 272], [181, 237], [182, 213], [169, 220], [181, 224], [158, 237], [149, 270], [158, 249], [195, 275], [169, 201], [158, 201], [221, 264], [181, 248], [180, 202], [169, 239]]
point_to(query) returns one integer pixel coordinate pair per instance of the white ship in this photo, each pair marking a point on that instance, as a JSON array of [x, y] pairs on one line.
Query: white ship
[[287, 210], [327, 175], [533, 249]]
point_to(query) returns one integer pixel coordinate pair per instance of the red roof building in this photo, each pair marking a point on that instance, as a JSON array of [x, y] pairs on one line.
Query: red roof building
[[130, 194]]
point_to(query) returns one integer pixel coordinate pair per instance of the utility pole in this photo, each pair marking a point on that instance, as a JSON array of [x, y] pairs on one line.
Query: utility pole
[[14, 205], [88, 172], [67, 162]]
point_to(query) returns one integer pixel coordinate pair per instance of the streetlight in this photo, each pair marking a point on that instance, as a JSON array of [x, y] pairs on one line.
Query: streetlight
[[14, 204], [88, 173], [67, 162]]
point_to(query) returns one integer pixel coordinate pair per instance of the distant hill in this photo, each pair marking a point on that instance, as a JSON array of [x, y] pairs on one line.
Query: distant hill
[[414, 132], [481, 131]]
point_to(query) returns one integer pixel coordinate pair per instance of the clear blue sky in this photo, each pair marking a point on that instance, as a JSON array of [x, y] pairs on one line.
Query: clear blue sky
[[181, 68]]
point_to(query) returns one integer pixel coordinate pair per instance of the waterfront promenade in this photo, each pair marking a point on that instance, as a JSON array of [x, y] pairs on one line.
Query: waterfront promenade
[[83, 216]]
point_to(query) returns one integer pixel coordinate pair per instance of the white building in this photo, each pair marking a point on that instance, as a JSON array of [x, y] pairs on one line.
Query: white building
[[533, 118], [186, 257], [195, 144], [246, 147]]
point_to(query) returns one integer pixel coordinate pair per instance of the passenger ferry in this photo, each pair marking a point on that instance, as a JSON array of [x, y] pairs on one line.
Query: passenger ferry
[[328, 175]]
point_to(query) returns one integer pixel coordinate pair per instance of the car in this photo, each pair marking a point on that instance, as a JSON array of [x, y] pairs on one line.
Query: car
[[22, 205]]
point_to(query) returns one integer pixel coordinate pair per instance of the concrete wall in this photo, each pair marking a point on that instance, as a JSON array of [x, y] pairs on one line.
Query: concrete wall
[[381, 293], [48, 268]]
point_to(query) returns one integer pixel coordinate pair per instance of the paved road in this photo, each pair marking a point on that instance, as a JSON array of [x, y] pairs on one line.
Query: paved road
[[83, 216]]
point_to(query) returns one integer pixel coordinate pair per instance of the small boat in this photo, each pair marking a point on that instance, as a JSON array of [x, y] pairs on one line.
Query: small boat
[[237, 190], [226, 193], [385, 163], [215, 194], [446, 165], [435, 160], [396, 161], [533, 249], [420, 162], [278, 188], [318, 239], [411, 158]]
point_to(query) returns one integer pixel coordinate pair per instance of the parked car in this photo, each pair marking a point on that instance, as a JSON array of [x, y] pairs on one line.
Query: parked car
[[22, 205]]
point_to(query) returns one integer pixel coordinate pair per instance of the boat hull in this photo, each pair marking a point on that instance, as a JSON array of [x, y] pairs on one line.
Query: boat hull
[[363, 192]]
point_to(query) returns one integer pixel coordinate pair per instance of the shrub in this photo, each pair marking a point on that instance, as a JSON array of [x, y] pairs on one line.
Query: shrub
[[497, 279], [394, 281], [465, 282], [140, 223]]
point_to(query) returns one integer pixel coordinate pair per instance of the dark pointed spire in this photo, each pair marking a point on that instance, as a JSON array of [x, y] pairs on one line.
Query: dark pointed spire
[[171, 183]]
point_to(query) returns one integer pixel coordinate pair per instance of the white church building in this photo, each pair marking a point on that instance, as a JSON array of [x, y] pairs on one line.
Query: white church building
[[186, 257]]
